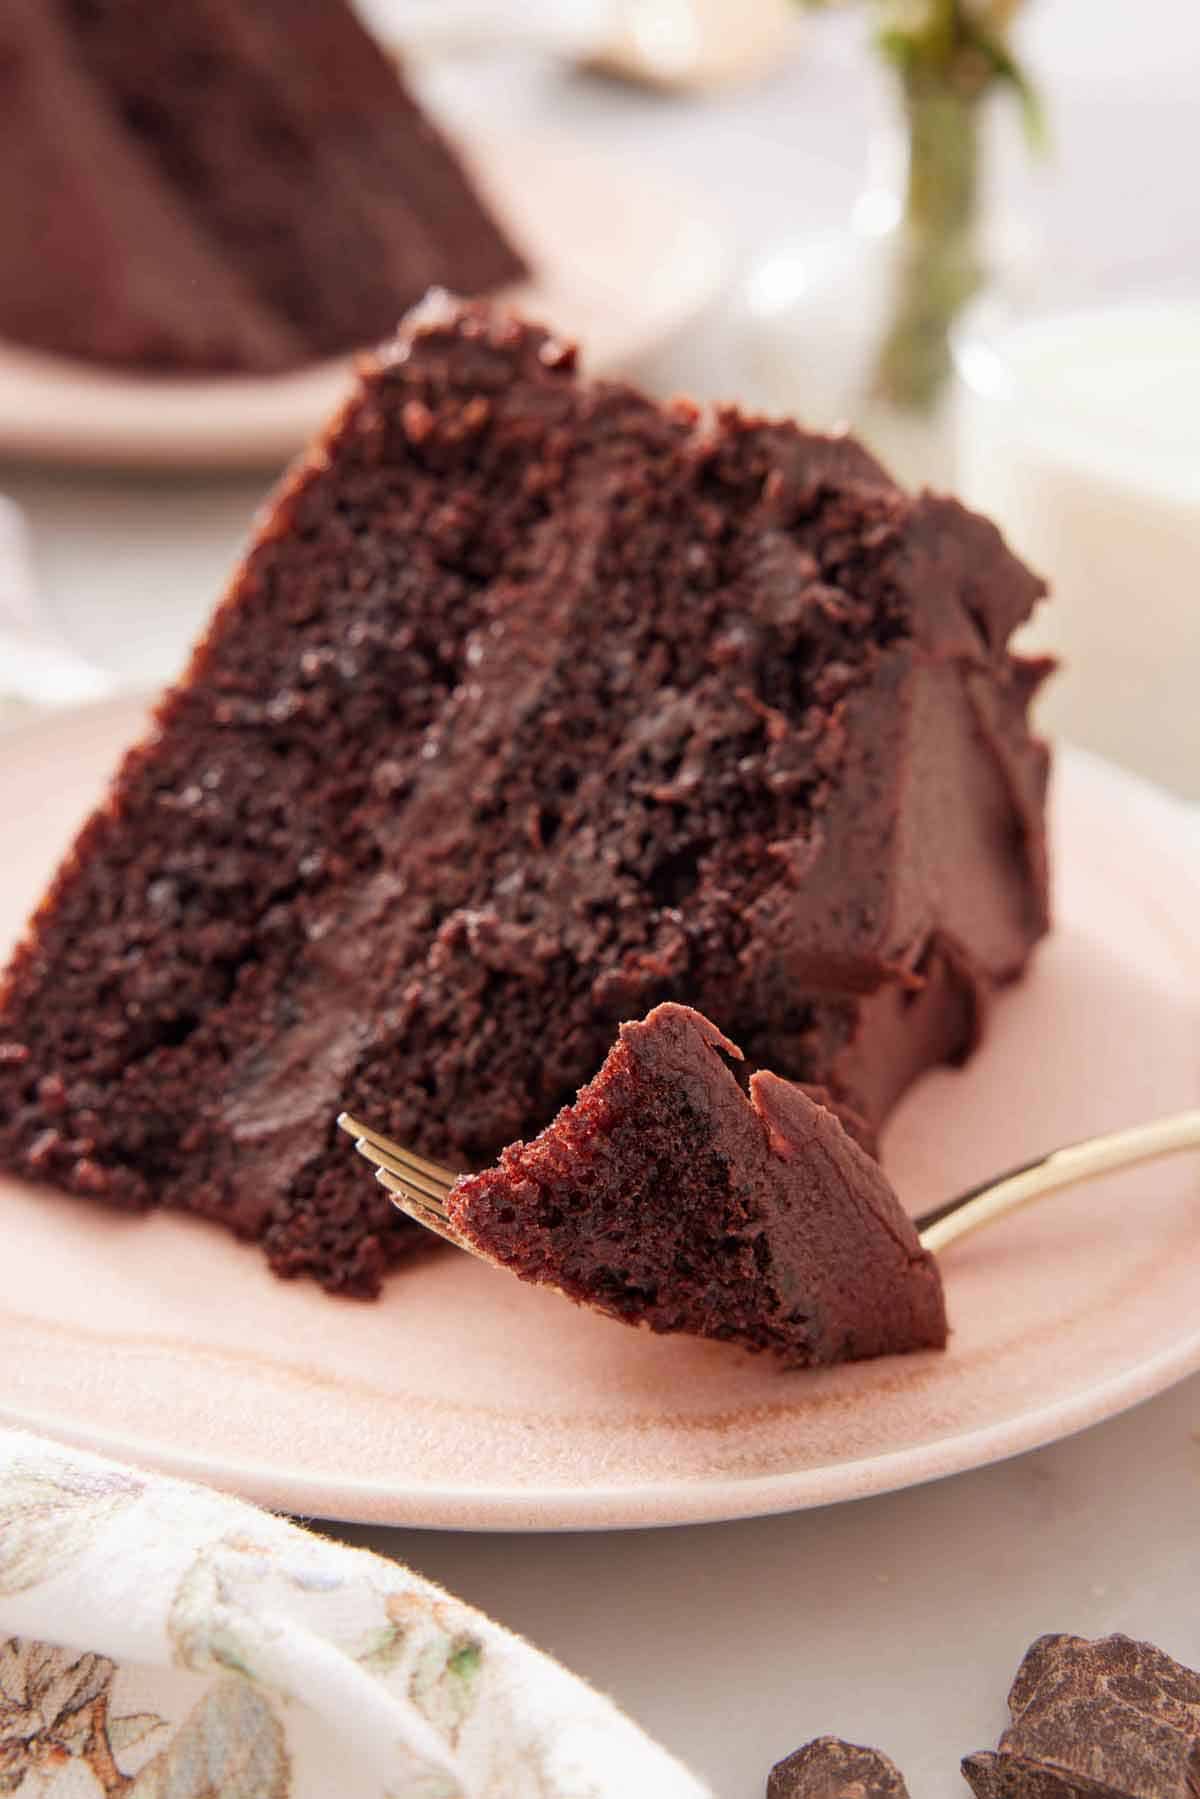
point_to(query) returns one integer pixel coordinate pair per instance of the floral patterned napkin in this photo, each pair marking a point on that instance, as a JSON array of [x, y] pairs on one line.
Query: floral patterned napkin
[[160, 1641]]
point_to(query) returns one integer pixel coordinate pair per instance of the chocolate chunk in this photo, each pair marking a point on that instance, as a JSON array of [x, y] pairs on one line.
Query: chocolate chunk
[[1113, 1719], [828, 1768], [241, 188]]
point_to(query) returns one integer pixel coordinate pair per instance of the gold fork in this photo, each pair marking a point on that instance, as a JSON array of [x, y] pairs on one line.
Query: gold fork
[[420, 1187]]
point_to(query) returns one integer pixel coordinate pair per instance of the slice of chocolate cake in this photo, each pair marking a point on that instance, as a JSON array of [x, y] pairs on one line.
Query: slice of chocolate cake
[[534, 704], [288, 136], [99, 259], [666, 1197], [197, 184]]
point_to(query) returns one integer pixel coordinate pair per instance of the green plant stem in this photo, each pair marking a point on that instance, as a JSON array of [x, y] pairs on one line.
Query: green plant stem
[[947, 57], [940, 265]]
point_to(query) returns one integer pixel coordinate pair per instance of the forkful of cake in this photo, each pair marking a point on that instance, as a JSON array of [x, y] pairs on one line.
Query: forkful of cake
[[670, 1196]]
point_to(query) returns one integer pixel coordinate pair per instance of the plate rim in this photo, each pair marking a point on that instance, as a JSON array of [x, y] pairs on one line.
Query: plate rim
[[508, 1510], [667, 1503]]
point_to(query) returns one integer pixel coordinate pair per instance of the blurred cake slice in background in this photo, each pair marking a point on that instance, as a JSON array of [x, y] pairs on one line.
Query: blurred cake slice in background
[[197, 185], [99, 259]]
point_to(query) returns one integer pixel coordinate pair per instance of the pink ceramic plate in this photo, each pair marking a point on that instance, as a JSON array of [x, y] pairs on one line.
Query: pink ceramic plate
[[467, 1399], [621, 261]]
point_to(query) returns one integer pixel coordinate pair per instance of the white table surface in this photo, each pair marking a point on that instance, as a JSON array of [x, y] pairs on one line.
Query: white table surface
[[896, 1621]]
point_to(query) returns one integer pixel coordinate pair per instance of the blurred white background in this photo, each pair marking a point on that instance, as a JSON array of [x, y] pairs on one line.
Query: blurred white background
[[130, 564]]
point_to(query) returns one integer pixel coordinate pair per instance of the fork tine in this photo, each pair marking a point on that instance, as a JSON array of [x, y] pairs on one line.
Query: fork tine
[[408, 1202], [434, 1171], [354, 1127], [417, 1187], [429, 1190], [419, 1210]]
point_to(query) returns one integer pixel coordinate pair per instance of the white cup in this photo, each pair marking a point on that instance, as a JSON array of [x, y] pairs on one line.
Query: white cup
[[1079, 434]]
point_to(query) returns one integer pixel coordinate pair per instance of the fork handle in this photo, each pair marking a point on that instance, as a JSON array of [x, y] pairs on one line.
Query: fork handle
[[1061, 1168]]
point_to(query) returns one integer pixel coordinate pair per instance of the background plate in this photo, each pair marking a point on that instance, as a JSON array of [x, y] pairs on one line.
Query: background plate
[[466, 1399], [621, 262]]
